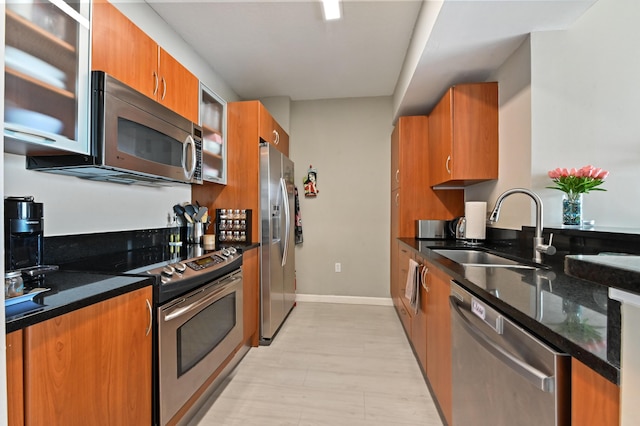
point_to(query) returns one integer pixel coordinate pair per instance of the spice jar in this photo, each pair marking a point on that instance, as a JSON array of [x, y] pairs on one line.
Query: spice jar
[[13, 284]]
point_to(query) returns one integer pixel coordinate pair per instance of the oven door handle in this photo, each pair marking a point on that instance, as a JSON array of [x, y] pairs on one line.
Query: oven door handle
[[183, 310]]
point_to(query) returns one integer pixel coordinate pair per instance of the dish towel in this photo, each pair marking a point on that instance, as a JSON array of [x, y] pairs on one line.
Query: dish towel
[[298, 225], [411, 290]]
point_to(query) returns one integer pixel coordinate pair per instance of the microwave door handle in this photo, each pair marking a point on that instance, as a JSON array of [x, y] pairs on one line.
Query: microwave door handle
[[189, 142]]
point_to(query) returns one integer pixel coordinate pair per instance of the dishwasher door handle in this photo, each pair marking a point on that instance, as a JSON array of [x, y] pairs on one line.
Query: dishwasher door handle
[[534, 376]]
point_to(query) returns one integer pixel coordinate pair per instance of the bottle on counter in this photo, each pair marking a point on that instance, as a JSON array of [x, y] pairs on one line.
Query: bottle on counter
[[13, 284], [174, 231]]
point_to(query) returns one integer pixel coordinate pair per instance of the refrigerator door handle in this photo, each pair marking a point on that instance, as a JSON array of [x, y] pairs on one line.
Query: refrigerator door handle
[[287, 218]]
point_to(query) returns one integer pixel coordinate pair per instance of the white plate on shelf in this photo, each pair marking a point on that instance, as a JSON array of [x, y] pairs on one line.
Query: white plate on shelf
[[211, 146], [34, 67], [212, 173], [25, 297], [23, 8], [33, 120]]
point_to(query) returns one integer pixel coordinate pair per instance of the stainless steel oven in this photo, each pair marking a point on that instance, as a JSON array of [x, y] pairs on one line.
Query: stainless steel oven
[[198, 325], [196, 333]]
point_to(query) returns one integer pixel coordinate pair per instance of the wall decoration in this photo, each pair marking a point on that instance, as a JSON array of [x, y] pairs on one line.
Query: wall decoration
[[310, 182]]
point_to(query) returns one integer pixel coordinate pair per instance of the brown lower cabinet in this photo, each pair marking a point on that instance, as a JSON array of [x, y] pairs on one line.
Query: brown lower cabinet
[[403, 304], [428, 328], [595, 401], [439, 339], [251, 296], [419, 322], [91, 366], [15, 389]]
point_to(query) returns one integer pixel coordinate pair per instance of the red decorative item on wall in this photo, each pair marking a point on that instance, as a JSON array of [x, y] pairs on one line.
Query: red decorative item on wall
[[310, 182]]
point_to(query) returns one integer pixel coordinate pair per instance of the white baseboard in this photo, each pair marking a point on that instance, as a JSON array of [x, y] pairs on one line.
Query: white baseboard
[[353, 300]]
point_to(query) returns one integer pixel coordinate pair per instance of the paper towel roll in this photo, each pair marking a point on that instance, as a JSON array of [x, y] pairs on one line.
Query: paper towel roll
[[476, 216]]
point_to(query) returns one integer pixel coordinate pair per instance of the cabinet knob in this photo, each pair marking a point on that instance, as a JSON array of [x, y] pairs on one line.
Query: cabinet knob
[[398, 176], [276, 137], [447, 164], [397, 199], [164, 91]]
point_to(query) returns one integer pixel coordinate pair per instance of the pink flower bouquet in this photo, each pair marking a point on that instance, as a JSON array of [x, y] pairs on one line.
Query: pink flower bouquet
[[575, 182]]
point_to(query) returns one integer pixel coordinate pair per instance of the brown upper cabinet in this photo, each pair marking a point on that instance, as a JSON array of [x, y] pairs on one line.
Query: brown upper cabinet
[[412, 195], [463, 136], [270, 131], [126, 52], [245, 130]]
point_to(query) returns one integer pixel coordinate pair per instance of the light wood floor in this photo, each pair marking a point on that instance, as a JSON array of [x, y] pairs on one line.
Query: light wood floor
[[330, 364]]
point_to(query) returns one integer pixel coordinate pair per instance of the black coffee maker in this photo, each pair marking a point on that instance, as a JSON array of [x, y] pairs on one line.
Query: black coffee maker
[[24, 233]]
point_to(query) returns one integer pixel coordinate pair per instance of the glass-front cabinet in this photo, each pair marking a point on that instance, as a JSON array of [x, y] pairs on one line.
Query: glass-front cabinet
[[46, 76], [213, 119]]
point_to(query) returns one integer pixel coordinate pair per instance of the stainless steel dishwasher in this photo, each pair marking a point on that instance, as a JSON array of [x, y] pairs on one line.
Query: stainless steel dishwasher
[[503, 375]]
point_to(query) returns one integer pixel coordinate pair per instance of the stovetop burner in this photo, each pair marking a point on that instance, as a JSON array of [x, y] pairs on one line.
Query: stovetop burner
[[177, 269], [176, 278]]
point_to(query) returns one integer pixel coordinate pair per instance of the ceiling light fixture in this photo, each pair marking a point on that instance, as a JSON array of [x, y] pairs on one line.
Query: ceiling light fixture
[[331, 9]]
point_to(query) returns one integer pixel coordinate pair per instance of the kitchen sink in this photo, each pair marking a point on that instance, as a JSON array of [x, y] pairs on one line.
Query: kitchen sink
[[482, 258]]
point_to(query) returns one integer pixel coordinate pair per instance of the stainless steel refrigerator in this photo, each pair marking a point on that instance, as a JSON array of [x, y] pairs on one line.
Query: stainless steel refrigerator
[[277, 260]]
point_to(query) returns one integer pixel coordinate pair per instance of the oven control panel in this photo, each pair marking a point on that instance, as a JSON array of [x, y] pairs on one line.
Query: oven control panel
[[205, 262]]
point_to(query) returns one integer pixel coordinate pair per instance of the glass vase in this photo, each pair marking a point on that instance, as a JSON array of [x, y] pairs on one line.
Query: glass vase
[[572, 209]]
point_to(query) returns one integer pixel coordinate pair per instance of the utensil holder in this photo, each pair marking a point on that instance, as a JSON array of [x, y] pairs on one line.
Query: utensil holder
[[195, 231]]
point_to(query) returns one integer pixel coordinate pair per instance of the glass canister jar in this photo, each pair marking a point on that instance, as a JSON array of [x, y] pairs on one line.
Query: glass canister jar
[[13, 284]]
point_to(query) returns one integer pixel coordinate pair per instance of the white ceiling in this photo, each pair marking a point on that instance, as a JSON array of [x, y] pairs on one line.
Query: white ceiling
[[284, 48]]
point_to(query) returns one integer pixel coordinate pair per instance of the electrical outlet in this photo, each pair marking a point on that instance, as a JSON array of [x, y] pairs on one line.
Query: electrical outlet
[[338, 267]]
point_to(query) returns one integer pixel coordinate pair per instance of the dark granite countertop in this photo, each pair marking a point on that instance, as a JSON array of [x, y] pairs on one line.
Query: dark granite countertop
[[69, 291], [615, 269], [571, 314], [93, 268]]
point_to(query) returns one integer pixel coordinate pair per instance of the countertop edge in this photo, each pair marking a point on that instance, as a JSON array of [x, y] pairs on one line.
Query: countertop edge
[[39, 317], [601, 366], [589, 269]]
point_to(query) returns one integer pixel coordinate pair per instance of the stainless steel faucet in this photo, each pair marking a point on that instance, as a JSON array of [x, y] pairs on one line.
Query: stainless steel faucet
[[538, 242]]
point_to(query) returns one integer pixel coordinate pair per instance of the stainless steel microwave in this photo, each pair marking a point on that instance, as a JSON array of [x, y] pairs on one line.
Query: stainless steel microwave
[[134, 140]]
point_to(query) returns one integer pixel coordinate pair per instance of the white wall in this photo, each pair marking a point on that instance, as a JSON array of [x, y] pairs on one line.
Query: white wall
[[585, 95], [580, 107], [280, 109], [77, 206], [514, 88], [348, 141]]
